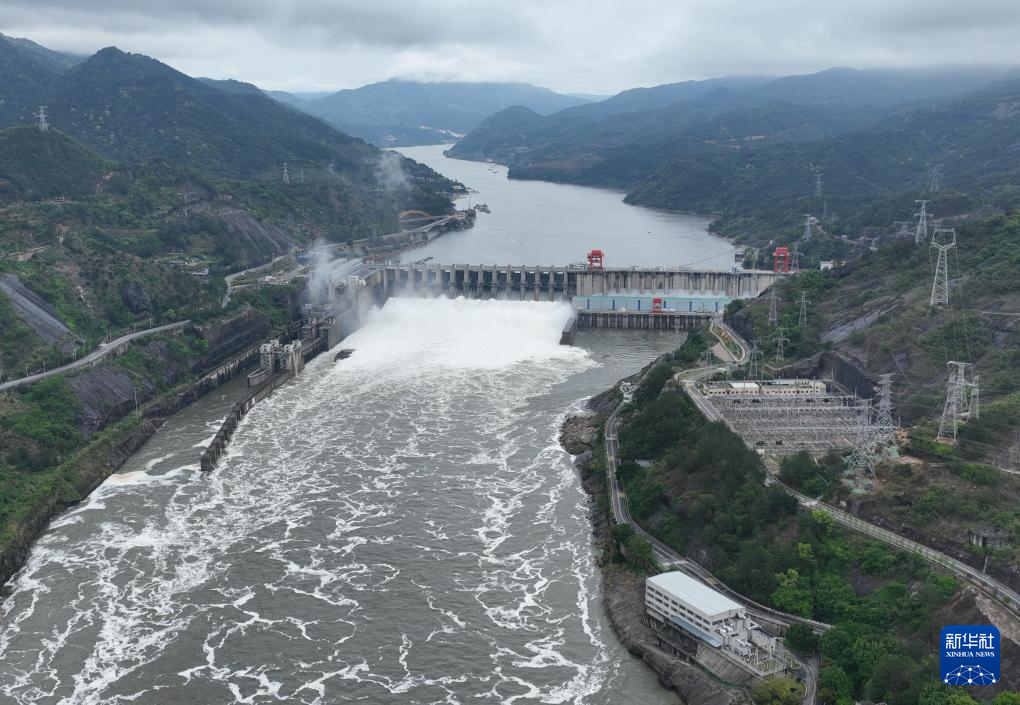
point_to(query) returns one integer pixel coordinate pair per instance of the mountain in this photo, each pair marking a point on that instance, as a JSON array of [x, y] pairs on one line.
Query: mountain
[[36, 164], [25, 66], [133, 108], [752, 153], [408, 112]]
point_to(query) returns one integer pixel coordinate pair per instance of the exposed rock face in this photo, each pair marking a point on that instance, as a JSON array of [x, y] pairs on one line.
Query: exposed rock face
[[135, 297], [256, 234], [40, 317]]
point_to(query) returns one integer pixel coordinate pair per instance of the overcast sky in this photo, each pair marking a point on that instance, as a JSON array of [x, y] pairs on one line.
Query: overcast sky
[[593, 46]]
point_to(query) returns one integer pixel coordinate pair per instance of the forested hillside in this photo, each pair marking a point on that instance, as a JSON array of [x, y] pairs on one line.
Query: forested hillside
[[751, 155]]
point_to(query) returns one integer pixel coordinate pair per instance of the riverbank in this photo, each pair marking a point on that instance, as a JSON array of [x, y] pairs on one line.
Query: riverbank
[[622, 586], [107, 451]]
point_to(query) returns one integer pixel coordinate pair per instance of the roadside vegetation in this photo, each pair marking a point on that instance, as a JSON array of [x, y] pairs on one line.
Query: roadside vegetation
[[700, 490]]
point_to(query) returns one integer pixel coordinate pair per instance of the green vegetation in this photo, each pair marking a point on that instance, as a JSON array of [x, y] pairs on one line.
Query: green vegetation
[[777, 690], [699, 489]]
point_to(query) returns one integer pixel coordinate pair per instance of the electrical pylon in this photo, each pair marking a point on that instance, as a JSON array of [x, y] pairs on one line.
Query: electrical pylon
[[40, 115], [286, 174], [773, 307], [780, 340], [862, 457], [753, 372], [885, 428], [795, 260], [803, 309], [818, 184], [924, 219], [808, 220], [956, 401], [943, 239], [935, 178]]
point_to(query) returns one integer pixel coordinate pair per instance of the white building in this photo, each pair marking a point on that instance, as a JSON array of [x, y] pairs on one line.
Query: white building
[[680, 602], [772, 388]]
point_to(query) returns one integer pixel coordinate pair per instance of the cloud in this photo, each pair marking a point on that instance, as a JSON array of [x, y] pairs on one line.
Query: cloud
[[597, 46]]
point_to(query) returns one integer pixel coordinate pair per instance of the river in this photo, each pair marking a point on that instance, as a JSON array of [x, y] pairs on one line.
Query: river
[[537, 222], [398, 527]]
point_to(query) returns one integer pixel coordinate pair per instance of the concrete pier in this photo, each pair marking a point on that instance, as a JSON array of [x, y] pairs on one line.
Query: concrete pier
[[545, 283]]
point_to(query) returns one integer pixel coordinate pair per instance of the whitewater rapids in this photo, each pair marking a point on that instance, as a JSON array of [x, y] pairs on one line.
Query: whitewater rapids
[[397, 527]]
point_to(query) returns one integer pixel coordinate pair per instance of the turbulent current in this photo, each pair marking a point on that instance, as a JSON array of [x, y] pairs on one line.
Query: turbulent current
[[397, 527]]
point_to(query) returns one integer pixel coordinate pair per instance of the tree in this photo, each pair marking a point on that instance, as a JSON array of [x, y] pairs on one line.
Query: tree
[[777, 690], [801, 639], [639, 551], [835, 680], [791, 595]]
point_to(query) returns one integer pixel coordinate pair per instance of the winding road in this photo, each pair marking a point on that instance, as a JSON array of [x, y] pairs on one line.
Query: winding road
[[93, 357]]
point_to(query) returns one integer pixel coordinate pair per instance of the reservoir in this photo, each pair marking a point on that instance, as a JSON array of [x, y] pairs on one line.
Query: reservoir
[[398, 527], [542, 223]]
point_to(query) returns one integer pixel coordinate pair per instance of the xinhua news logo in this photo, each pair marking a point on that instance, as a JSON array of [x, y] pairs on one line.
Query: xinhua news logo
[[970, 654]]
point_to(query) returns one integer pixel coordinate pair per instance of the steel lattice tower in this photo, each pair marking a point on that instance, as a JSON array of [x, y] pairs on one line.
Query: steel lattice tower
[[40, 116], [818, 184], [943, 239], [935, 178], [795, 260], [803, 309], [773, 307], [286, 174], [924, 219], [862, 457], [885, 428], [808, 220], [956, 401], [780, 340]]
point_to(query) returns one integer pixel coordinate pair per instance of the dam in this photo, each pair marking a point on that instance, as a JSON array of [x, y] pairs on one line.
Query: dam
[[638, 298]]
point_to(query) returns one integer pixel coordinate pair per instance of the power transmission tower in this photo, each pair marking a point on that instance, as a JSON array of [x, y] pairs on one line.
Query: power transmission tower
[[780, 340], [924, 218], [943, 239], [773, 307], [286, 174], [935, 178], [862, 457], [803, 309], [818, 184], [956, 401], [807, 225], [795, 260], [885, 429], [755, 355], [43, 122]]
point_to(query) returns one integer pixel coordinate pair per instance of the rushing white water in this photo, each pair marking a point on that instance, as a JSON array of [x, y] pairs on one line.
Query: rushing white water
[[398, 527]]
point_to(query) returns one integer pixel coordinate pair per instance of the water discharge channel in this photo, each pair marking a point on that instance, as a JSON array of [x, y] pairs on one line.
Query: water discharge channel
[[397, 527]]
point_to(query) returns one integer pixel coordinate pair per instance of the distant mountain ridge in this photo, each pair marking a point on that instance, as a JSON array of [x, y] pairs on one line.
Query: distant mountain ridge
[[751, 152], [400, 112]]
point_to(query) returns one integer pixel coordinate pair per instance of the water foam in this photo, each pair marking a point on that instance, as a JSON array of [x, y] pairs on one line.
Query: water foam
[[398, 526]]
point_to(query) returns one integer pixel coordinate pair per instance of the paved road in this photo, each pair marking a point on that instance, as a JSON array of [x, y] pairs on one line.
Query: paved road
[[99, 353], [1009, 599], [229, 279]]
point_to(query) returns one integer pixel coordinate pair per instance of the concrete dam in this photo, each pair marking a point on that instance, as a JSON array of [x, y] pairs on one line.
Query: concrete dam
[[659, 298]]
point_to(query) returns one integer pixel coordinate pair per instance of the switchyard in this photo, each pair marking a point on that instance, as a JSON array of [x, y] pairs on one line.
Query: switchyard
[[786, 415]]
